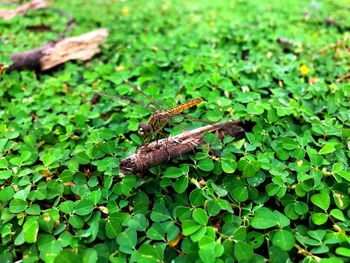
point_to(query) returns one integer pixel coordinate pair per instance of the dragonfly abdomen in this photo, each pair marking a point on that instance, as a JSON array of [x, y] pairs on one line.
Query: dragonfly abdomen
[[158, 120], [178, 109]]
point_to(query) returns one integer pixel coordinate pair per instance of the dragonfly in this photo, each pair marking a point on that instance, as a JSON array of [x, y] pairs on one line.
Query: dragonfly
[[159, 118]]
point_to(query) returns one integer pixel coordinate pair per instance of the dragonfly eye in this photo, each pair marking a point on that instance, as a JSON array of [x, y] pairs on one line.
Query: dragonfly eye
[[144, 129], [141, 131]]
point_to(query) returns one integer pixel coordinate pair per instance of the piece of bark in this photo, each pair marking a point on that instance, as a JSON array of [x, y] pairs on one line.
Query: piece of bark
[[343, 78], [285, 42], [33, 5], [82, 47], [160, 151]]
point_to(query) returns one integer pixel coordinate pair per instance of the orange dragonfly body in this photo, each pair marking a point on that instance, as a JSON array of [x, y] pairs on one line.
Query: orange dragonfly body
[[159, 118]]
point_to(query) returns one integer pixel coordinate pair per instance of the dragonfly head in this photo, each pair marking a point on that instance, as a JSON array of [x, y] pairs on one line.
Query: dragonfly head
[[145, 130]]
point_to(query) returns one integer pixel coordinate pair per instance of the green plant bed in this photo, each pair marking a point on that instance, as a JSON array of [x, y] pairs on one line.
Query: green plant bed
[[280, 194]]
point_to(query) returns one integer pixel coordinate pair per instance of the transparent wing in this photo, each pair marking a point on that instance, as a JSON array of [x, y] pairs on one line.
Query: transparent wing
[[154, 102], [158, 105], [183, 122], [124, 100], [186, 116]]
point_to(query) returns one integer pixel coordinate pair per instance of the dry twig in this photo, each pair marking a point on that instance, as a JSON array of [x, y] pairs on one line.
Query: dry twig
[[160, 151], [82, 47], [341, 43], [343, 78], [33, 5]]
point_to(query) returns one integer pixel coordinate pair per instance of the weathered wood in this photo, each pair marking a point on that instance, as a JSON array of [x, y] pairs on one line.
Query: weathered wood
[[34, 4], [160, 151], [82, 47]]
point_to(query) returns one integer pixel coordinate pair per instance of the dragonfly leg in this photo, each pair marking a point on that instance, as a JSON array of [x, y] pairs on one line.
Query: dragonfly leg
[[166, 149], [157, 135], [146, 140], [162, 134], [180, 155]]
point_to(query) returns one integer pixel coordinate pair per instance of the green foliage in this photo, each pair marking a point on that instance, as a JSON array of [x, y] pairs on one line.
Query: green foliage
[[280, 194]]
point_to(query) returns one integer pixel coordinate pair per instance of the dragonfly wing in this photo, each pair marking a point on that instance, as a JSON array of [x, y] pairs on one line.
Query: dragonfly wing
[[186, 116], [123, 100], [113, 97], [177, 124], [154, 102]]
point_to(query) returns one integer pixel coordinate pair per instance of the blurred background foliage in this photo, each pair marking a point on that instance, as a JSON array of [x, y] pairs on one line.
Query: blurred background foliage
[[279, 194]]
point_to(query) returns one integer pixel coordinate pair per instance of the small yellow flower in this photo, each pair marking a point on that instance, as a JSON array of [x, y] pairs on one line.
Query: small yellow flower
[[125, 11], [120, 68], [95, 84], [304, 70]]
